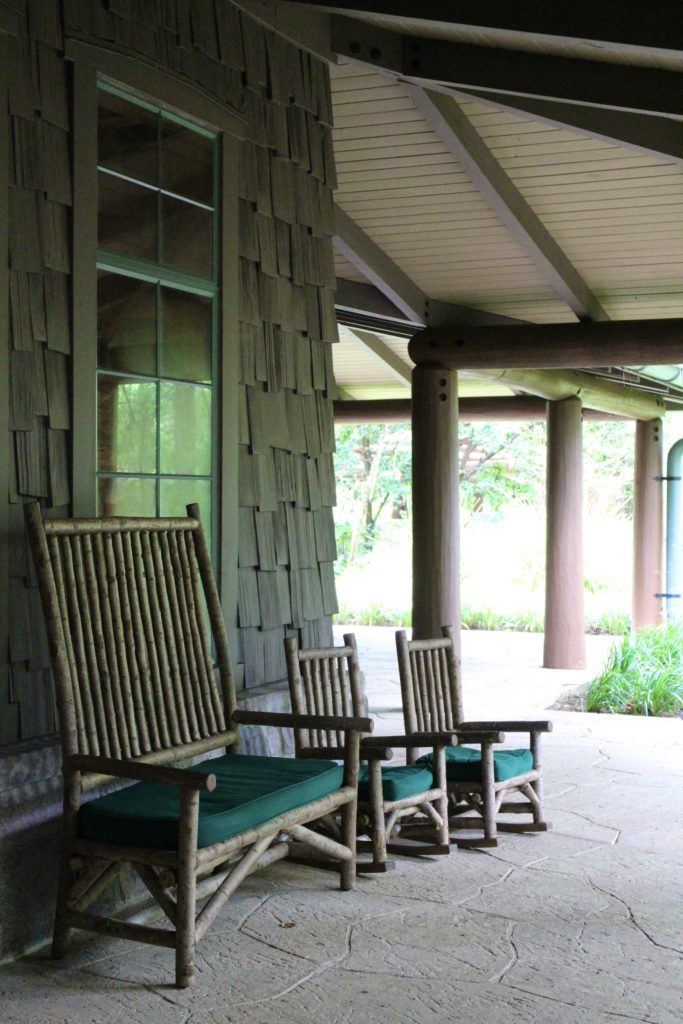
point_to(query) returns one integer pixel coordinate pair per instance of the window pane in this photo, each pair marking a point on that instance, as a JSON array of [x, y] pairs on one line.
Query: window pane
[[127, 137], [126, 218], [175, 495], [187, 237], [126, 496], [186, 162], [185, 429], [126, 324], [126, 424], [185, 336]]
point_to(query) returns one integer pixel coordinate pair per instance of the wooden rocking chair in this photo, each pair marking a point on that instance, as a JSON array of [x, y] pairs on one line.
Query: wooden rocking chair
[[479, 780], [137, 693], [327, 681]]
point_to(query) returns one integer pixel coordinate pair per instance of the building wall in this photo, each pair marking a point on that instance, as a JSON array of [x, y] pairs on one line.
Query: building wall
[[286, 310]]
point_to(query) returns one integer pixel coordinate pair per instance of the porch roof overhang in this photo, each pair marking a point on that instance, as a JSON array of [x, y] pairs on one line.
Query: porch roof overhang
[[502, 164]]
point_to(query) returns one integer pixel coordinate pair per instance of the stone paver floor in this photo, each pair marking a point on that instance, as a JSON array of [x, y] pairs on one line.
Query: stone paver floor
[[582, 925]]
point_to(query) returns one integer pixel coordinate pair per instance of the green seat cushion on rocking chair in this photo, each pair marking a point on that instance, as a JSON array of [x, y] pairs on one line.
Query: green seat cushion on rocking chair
[[250, 790], [398, 781], [463, 764]]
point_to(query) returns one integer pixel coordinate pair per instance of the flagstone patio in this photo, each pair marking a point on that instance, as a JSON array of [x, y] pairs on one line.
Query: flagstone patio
[[582, 925]]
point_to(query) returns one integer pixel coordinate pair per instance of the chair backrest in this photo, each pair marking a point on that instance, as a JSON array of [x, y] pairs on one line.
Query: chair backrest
[[430, 682], [324, 681], [124, 602]]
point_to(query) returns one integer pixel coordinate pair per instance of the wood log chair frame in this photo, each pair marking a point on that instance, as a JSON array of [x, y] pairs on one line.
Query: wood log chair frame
[[431, 691], [327, 681], [137, 692]]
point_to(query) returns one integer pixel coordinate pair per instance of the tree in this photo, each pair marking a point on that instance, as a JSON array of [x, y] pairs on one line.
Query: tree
[[373, 474], [500, 464]]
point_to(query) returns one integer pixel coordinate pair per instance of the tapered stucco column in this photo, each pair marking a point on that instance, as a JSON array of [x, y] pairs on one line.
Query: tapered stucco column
[[436, 541], [565, 643], [647, 608]]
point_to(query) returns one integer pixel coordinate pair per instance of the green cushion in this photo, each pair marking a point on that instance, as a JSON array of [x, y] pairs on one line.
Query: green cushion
[[463, 764], [398, 781], [249, 791]]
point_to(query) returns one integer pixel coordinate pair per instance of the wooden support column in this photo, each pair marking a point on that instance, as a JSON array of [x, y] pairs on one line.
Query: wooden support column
[[565, 643], [436, 541], [647, 609]]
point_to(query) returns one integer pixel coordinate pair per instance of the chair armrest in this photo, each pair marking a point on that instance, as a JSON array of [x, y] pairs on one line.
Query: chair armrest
[[485, 736], [380, 753], [415, 739], [540, 725], [141, 772], [283, 718], [375, 748]]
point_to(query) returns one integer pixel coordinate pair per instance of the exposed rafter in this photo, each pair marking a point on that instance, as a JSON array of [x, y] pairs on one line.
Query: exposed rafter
[[609, 23], [644, 133], [459, 136], [428, 61], [360, 250], [365, 255], [399, 369], [358, 297]]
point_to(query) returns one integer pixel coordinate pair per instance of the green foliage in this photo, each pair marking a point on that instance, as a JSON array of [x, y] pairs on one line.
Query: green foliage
[[643, 675], [502, 497], [608, 467], [373, 470], [500, 465], [374, 614], [609, 623], [489, 618]]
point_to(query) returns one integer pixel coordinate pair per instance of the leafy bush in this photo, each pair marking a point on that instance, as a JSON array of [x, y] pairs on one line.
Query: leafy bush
[[374, 614], [643, 675], [610, 623]]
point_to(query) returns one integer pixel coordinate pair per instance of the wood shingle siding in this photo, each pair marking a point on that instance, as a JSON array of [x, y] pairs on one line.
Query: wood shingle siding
[[286, 311]]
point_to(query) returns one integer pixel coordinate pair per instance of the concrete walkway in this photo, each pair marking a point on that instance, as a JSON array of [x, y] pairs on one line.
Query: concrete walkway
[[582, 925]]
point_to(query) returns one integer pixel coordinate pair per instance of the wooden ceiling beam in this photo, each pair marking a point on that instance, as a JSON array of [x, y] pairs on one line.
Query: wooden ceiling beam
[[556, 385], [597, 83], [374, 264], [610, 23], [464, 66], [552, 346], [461, 139], [470, 410], [643, 133], [366, 298], [399, 369]]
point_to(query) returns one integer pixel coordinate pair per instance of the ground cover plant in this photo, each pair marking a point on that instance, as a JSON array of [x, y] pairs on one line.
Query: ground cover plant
[[643, 675]]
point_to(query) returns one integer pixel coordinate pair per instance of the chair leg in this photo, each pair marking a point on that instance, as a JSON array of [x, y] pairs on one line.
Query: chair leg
[[489, 806], [378, 824], [62, 931], [347, 868], [187, 890], [442, 835]]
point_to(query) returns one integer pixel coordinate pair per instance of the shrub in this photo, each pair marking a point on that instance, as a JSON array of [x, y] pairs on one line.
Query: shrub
[[373, 614], [643, 675]]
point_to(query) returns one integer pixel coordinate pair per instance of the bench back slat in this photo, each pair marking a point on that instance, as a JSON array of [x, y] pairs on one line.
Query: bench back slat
[[126, 604], [324, 681], [431, 688]]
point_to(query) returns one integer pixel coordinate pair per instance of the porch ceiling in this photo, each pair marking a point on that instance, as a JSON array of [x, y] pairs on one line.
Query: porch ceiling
[[601, 216]]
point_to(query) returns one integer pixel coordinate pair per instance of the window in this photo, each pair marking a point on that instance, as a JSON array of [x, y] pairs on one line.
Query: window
[[157, 309]]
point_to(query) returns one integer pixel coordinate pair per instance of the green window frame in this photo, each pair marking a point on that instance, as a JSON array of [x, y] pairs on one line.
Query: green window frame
[[138, 383], [94, 67]]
